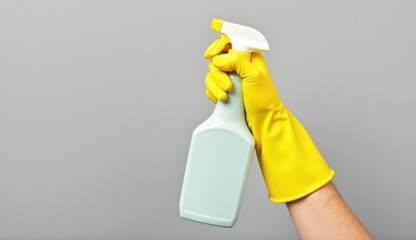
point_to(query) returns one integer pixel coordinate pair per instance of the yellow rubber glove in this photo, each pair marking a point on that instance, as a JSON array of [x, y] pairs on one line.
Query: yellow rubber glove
[[291, 164]]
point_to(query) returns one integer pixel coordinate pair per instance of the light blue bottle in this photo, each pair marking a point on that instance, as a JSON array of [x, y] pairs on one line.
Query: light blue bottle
[[218, 164], [221, 148]]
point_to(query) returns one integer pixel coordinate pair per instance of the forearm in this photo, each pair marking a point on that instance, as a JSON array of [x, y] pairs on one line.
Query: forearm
[[324, 215]]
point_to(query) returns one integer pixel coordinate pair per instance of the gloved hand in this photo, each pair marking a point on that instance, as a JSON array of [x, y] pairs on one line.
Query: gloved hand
[[291, 164]]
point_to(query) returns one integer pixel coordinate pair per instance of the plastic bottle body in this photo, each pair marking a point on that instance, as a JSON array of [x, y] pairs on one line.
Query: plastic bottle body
[[218, 164]]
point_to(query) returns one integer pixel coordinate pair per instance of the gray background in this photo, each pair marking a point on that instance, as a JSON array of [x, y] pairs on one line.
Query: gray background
[[98, 100]]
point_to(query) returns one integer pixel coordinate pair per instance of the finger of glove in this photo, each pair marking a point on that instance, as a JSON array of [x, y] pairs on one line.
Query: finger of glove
[[221, 45], [216, 91], [238, 63], [221, 78], [211, 96]]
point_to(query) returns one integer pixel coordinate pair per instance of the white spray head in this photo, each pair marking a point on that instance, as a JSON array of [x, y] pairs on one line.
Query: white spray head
[[244, 39]]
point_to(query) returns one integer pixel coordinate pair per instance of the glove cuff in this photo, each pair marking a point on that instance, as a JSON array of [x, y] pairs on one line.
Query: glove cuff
[[291, 164], [305, 191]]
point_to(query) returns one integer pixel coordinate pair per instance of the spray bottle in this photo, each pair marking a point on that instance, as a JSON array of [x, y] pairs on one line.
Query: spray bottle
[[222, 147]]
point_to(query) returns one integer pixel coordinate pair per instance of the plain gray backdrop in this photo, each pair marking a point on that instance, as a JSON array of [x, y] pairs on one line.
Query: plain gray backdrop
[[98, 100]]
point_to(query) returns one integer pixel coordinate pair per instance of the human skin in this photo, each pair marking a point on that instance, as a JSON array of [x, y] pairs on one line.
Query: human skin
[[324, 214]]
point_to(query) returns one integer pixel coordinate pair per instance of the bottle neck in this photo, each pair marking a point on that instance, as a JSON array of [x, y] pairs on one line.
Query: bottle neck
[[232, 110]]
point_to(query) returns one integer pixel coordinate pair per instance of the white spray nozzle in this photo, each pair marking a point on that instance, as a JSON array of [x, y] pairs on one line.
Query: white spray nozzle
[[242, 38]]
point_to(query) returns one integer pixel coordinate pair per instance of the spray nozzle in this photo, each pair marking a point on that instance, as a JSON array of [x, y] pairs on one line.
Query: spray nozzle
[[242, 38]]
